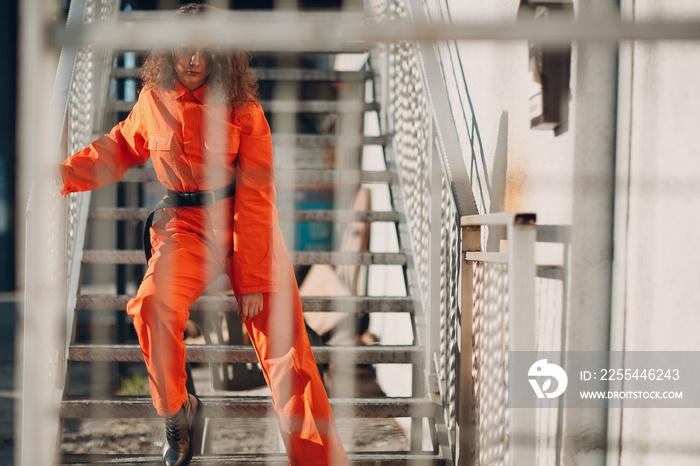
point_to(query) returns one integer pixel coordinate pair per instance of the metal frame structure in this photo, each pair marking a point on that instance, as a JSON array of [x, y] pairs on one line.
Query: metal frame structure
[[498, 315], [454, 309]]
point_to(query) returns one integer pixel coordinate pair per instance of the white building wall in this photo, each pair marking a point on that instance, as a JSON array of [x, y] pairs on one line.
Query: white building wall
[[650, 293], [656, 294]]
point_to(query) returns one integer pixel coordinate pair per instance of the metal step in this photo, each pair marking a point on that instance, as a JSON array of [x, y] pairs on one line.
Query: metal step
[[281, 106], [99, 256], [300, 177], [354, 304], [280, 140], [245, 354], [256, 459], [248, 406], [277, 74], [312, 215]]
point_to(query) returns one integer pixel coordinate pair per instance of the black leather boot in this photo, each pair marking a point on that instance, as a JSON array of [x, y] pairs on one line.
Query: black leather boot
[[181, 431]]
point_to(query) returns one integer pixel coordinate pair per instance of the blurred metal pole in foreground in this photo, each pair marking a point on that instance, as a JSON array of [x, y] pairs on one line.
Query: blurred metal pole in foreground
[[44, 329]]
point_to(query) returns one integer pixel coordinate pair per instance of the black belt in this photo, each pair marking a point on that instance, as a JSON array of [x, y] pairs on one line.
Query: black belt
[[178, 199]]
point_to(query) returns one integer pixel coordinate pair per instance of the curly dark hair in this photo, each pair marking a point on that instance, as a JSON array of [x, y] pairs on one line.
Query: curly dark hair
[[230, 80]]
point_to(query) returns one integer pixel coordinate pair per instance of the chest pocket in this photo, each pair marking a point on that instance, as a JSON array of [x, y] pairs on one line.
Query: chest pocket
[[160, 141], [225, 143]]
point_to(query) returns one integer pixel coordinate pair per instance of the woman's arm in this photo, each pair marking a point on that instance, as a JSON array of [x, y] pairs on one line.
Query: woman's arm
[[255, 242], [108, 158]]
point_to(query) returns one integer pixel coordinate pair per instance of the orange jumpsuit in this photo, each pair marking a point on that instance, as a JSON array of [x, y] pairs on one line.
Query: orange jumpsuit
[[197, 146]]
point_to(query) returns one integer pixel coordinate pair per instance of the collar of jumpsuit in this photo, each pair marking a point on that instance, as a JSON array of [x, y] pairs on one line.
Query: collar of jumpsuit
[[181, 92]]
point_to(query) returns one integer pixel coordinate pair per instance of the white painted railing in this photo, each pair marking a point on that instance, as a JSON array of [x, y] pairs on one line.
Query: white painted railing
[[497, 316]]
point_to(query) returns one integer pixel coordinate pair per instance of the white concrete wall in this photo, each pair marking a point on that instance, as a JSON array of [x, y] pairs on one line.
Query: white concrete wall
[[656, 294]]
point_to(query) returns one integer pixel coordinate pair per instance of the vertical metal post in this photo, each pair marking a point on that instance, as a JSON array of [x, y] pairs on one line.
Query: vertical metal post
[[44, 323], [434, 298], [386, 77], [522, 233], [464, 438], [384, 112]]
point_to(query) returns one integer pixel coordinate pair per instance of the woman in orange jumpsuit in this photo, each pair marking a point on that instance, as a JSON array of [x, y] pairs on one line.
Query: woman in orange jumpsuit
[[198, 120]]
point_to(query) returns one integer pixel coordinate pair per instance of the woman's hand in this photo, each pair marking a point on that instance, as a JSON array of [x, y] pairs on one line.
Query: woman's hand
[[250, 305]]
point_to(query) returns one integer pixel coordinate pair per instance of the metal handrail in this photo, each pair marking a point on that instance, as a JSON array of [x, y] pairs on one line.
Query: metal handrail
[[498, 316], [446, 242]]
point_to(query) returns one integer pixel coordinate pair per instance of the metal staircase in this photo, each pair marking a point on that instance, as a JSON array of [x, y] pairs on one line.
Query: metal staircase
[[300, 165]]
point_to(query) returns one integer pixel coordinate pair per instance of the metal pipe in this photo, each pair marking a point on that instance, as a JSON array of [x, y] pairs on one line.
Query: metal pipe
[[44, 287], [303, 31]]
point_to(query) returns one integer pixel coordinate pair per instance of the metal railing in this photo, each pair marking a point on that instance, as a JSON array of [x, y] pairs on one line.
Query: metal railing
[[55, 228], [498, 316], [482, 297], [477, 304], [434, 186], [434, 200]]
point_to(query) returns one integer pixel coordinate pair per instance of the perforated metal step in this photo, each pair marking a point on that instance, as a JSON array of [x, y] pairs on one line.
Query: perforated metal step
[[276, 106], [300, 177], [354, 304], [96, 256], [245, 354], [313, 215], [278, 74], [355, 459], [259, 406]]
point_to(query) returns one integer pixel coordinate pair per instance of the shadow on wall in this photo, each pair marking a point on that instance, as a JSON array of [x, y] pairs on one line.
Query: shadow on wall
[[497, 183]]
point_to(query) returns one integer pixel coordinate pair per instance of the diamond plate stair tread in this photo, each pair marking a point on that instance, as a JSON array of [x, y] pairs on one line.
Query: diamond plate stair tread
[[245, 354], [277, 74], [315, 215], [248, 406], [277, 106], [355, 459], [285, 178], [109, 256], [356, 304]]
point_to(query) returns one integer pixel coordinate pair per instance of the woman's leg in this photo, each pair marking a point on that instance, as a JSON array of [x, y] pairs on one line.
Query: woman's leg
[[298, 396], [178, 273]]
